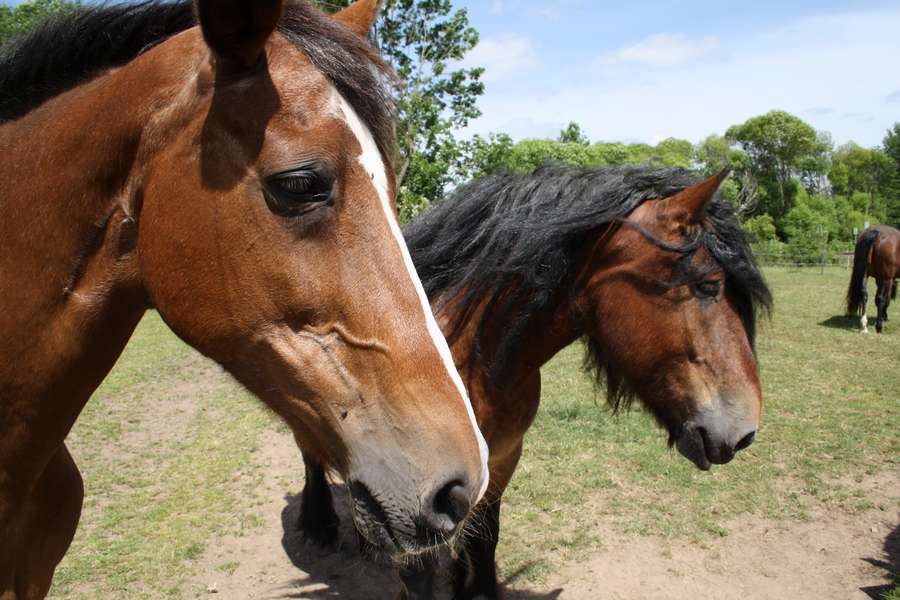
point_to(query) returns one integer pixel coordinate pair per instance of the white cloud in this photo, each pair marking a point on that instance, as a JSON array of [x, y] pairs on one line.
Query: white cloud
[[828, 69], [663, 50], [894, 97], [502, 55]]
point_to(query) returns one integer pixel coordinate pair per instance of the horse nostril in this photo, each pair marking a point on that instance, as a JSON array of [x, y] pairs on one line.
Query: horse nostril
[[745, 441], [448, 507]]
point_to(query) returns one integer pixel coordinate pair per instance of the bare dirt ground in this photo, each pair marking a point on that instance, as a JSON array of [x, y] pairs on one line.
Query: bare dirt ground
[[828, 556]]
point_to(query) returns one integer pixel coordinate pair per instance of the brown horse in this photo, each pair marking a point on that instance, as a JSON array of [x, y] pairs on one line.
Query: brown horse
[[649, 266], [236, 176], [877, 255]]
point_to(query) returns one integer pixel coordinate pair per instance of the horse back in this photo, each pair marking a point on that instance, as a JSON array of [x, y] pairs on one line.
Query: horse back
[[884, 262]]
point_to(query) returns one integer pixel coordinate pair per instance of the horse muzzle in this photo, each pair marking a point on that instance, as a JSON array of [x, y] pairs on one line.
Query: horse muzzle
[[400, 529], [706, 441]]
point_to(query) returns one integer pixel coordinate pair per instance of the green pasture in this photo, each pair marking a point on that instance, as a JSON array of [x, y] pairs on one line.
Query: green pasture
[[166, 446]]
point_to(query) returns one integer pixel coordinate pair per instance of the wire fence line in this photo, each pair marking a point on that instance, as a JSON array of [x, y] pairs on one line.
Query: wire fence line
[[810, 255], [844, 261]]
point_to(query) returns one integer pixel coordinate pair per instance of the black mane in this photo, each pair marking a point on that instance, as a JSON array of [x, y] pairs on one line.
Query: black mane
[[70, 48], [514, 239]]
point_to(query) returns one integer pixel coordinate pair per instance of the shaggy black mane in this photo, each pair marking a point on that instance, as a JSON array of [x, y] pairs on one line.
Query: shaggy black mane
[[514, 239], [70, 48]]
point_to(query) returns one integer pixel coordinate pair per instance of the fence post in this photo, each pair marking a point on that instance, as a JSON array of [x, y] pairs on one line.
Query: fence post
[[824, 249]]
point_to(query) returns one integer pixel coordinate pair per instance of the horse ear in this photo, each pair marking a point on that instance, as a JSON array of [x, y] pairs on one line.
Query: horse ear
[[695, 198], [359, 16], [237, 30]]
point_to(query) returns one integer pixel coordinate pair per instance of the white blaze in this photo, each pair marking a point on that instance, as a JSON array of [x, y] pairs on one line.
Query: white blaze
[[371, 160]]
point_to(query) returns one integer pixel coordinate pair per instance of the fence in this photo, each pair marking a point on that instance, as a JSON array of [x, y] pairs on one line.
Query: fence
[[803, 255]]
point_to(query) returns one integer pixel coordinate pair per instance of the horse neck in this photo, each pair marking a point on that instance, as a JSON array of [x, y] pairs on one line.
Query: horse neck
[[71, 198], [545, 336], [560, 323]]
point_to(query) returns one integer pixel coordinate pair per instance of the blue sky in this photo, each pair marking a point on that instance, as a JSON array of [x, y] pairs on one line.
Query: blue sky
[[649, 69]]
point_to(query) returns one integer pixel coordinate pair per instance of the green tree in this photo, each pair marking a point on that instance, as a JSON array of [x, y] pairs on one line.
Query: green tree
[[839, 176], [636, 154], [809, 226], [21, 18], [483, 156], [573, 134], [611, 153], [528, 155], [716, 153], [673, 152], [779, 146], [847, 219], [499, 153], [892, 149], [761, 228], [864, 170], [814, 167], [425, 40], [892, 144]]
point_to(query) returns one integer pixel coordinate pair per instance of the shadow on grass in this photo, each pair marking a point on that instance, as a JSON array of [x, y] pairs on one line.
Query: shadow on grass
[[340, 572], [343, 573], [511, 594], [526, 595], [842, 322], [890, 562]]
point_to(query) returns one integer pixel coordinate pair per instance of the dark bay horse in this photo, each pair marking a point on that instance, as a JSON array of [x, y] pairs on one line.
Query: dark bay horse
[[877, 255], [236, 176], [649, 266]]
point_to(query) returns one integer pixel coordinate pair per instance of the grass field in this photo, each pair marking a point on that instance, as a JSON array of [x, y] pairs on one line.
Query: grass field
[[166, 443]]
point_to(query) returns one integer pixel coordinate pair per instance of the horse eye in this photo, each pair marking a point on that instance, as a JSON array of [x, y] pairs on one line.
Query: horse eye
[[709, 288], [296, 193]]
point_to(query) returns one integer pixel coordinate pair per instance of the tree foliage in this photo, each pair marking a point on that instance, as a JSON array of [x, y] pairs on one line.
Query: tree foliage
[[870, 173], [498, 152], [761, 228], [858, 169], [780, 147], [573, 134], [425, 41], [21, 18], [892, 149], [892, 144], [831, 193]]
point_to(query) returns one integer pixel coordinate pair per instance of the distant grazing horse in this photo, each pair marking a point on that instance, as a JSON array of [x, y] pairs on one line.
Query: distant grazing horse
[[877, 255], [236, 177], [647, 265]]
